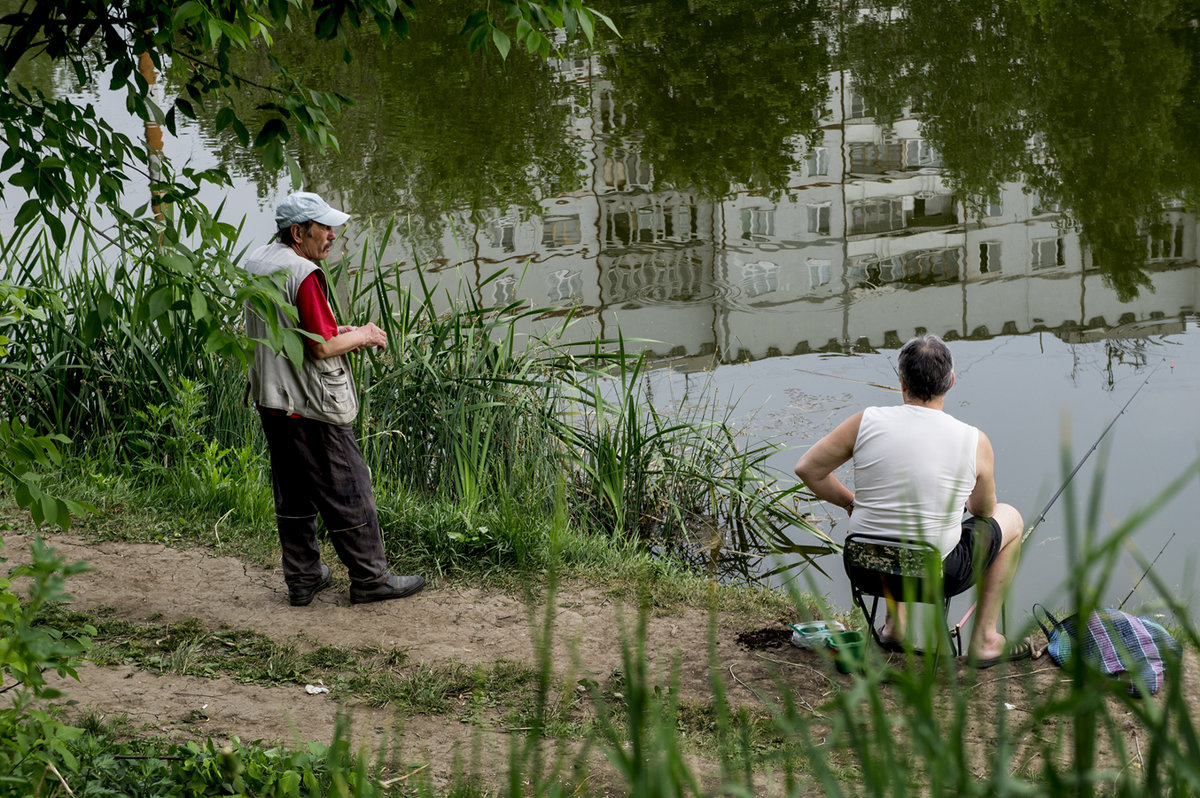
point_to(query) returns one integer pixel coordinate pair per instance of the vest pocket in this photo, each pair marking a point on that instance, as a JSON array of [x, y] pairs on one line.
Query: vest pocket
[[336, 386]]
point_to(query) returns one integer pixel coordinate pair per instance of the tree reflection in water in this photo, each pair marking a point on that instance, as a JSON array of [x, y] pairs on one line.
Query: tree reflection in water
[[1092, 106]]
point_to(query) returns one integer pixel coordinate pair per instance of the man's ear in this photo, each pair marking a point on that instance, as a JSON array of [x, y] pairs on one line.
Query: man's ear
[[952, 377]]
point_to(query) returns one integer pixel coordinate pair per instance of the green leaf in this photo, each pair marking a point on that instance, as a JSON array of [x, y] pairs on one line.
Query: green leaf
[[569, 19], [327, 25], [49, 510], [224, 118], [199, 304], [160, 301], [29, 211], [273, 155], [587, 23], [273, 129], [239, 130], [219, 342], [104, 306], [502, 42], [475, 20], [478, 37], [9, 159], [186, 13], [176, 262], [297, 175], [57, 231], [27, 178], [607, 20], [293, 347]]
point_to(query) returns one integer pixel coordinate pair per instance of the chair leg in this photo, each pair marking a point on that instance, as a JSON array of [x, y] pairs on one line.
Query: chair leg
[[870, 615]]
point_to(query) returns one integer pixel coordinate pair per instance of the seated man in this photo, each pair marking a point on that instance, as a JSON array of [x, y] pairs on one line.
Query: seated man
[[916, 468]]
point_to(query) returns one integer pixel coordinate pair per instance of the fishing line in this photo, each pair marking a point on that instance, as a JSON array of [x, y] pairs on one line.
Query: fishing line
[[848, 379], [1042, 515], [1121, 606]]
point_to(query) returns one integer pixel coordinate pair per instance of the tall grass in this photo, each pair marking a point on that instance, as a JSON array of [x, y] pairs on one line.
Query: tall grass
[[920, 726], [926, 725], [498, 427], [917, 726], [510, 442]]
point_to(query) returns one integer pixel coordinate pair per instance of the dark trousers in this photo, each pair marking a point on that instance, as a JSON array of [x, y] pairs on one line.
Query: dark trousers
[[318, 469]]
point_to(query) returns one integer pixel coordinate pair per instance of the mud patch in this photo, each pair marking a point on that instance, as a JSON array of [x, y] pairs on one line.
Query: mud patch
[[764, 639]]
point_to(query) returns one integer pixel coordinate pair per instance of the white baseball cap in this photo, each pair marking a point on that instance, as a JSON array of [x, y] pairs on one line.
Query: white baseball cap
[[304, 206]]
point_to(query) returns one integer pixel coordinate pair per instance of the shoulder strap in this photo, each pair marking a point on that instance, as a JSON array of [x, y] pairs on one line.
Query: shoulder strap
[[1054, 622]]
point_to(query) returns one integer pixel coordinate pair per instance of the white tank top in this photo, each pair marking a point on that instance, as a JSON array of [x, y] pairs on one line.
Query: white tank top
[[914, 468]]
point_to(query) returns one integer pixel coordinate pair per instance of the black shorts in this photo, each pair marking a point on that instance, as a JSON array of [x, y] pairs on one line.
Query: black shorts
[[974, 554]]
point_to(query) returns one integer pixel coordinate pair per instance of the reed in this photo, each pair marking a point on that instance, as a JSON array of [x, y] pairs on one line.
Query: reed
[[497, 425], [922, 726]]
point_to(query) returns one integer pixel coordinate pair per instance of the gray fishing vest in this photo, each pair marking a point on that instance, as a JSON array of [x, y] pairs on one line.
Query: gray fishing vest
[[322, 389]]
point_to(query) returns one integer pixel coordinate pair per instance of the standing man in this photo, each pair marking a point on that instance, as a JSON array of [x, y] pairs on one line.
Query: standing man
[[916, 468], [316, 465]]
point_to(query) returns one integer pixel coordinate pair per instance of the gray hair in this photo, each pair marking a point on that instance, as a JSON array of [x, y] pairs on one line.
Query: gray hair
[[284, 234], [926, 367]]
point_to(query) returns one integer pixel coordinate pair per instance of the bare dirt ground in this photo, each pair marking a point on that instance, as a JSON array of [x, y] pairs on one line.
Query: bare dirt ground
[[148, 582]]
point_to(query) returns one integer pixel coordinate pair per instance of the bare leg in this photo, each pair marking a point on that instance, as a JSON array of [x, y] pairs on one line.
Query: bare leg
[[986, 640], [895, 626]]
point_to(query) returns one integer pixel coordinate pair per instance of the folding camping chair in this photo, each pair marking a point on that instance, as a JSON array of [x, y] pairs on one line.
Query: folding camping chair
[[908, 571]]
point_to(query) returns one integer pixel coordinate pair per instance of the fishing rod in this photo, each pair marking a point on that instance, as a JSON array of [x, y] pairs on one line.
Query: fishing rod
[[1042, 515], [849, 379], [1121, 606]]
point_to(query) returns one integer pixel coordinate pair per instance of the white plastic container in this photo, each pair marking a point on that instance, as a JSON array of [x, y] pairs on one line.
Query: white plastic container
[[813, 634]]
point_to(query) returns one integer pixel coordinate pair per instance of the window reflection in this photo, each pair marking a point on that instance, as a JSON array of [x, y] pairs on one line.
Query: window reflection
[[504, 290], [919, 267], [989, 257], [818, 218], [1047, 252], [1165, 241], [758, 223], [876, 216], [564, 285], [818, 161], [874, 159], [561, 231], [760, 278], [503, 233], [820, 272]]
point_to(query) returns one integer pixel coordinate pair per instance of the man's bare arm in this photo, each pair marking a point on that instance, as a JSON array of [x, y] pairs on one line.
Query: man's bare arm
[[982, 501], [349, 339], [815, 468]]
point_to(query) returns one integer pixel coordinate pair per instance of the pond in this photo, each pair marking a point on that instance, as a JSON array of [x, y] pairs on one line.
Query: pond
[[771, 197]]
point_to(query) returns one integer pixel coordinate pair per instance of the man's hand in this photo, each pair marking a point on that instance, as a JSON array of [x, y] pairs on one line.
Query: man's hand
[[373, 335], [351, 339]]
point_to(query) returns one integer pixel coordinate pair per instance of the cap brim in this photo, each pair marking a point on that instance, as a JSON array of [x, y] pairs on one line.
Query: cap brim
[[332, 217]]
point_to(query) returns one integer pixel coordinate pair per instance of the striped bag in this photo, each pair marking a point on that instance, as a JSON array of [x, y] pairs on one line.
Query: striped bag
[[1115, 642]]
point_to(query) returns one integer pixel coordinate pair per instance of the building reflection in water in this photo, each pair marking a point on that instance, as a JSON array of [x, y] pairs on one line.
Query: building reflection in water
[[865, 246]]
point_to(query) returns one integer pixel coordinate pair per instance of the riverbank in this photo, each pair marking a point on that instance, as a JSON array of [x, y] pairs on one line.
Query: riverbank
[[445, 682]]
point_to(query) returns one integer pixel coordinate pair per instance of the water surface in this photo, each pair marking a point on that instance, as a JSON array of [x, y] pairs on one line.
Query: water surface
[[772, 196]]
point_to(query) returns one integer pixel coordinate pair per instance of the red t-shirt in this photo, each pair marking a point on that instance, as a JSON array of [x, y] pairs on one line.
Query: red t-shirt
[[316, 316]]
